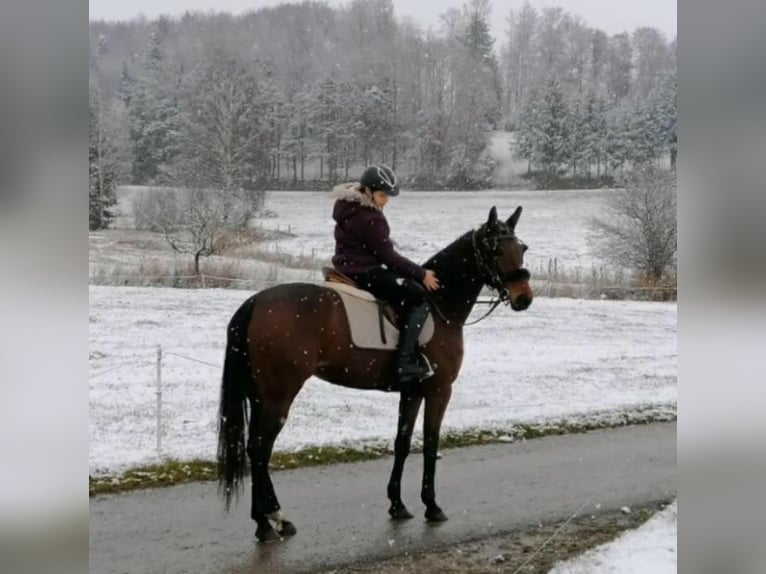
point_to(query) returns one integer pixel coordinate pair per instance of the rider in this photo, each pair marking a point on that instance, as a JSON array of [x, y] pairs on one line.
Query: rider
[[365, 253]]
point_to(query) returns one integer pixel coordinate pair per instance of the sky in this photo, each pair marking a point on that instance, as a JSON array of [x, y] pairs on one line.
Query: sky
[[608, 15]]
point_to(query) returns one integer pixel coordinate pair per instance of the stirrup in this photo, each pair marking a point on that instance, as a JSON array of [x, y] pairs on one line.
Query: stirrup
[[427, 364], [419, 369]]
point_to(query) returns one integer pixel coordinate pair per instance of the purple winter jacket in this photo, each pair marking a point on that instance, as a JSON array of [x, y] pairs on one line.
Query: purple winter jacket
[[362, 239]]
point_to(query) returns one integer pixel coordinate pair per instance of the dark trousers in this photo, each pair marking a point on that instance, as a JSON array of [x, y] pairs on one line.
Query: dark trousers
[[388, 286], [409, 300]]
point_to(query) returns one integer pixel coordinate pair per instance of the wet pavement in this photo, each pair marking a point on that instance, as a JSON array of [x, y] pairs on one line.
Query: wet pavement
[[340, 511]]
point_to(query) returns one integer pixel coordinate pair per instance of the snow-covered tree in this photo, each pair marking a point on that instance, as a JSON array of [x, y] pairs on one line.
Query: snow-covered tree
[[355, 84], [296, 140], [152, 113], [594, 126], [224, 135], [665, 108], [579, 130], [620, 66], [598, 60], [652, 59], [618, 139], [553, 127], [638, 230], [519, 58], [101, 183]]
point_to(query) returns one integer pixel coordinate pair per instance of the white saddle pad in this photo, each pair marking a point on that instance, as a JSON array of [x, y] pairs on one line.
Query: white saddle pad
[[364, 321]]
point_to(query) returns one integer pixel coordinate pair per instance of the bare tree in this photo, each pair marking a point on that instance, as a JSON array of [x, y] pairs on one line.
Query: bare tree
[[639, 228], [193, 221]]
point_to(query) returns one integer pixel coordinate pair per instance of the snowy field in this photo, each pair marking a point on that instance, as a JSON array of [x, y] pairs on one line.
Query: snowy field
[[649, 548], [554, 223], [561, 359]]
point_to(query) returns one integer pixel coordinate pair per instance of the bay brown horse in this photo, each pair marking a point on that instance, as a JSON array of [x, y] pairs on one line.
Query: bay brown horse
[[283, 335]]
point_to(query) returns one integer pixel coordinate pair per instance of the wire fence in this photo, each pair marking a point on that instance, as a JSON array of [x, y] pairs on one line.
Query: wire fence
[[160, 386], [158, 383], [581, 289]]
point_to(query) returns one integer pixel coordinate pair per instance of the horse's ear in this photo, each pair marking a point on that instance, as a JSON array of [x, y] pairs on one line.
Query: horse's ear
[[492, 221], [514, 219]]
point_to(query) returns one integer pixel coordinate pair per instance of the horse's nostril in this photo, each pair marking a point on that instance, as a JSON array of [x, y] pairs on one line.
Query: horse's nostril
[[521, 302]]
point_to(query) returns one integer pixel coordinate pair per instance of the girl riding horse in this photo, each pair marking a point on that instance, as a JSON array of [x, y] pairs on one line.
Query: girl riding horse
[[282, 336], [362, 249]]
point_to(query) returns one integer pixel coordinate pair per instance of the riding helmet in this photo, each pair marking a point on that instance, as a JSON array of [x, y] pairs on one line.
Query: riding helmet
[[380, 178]]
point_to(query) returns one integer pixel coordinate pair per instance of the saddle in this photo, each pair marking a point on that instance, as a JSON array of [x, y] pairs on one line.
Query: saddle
[[372, 322]]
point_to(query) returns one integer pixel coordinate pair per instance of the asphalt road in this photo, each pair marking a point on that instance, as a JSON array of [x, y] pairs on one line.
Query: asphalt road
[[340, 511]]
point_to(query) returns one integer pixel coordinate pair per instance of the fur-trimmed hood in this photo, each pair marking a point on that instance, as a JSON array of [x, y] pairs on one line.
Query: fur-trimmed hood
[[352, 192]]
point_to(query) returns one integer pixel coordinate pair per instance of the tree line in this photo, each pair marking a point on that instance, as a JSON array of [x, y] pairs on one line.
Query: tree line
[[304, 91]]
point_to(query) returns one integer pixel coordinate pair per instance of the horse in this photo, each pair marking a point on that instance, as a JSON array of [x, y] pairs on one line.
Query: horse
[[281, 336]]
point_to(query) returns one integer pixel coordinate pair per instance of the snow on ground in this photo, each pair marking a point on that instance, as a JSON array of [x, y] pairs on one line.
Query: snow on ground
[[561, 359], [650, 548], [554, 223]]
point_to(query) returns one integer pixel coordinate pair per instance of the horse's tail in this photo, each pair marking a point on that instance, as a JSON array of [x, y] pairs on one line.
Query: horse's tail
[[232, 413]]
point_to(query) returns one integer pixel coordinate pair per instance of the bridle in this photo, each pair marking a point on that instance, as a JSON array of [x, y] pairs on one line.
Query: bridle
[[486, 251]]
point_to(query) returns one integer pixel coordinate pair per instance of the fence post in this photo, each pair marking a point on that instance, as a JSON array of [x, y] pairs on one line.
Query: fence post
[[159, 401]]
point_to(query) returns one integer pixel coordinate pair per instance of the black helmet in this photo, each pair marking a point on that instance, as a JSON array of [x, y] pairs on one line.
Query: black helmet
[[380, 178]]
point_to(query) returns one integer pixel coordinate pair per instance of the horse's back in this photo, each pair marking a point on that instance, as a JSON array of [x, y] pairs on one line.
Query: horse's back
[[297, 310], [294, 330]]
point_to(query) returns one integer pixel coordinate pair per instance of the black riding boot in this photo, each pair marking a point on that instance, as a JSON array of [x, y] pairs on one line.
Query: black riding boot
[[409, 366]]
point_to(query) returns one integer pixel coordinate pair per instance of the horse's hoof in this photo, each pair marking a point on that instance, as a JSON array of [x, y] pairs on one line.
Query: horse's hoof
[[265, 536], [436, 515], [288, 529], [400, 513]]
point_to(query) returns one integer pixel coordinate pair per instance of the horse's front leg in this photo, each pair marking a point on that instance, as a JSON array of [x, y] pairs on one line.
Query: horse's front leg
[[409, 405], [436, 405]]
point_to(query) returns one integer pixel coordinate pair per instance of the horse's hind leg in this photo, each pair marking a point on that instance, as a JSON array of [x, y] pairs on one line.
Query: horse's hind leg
[[409, 405], [266, 422]]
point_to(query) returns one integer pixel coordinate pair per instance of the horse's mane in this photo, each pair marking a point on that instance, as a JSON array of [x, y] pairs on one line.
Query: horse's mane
[[446, 254], [455, 265]]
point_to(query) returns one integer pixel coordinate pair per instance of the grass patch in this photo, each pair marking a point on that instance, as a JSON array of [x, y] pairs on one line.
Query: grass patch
[[554, 280], [172, 472], [310, 261], [158, 272]]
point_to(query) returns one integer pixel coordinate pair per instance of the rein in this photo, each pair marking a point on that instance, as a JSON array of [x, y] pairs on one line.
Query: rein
[[487, 314]]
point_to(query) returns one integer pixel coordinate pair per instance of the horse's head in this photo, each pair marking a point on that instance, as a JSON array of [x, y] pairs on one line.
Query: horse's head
[[500, 256]]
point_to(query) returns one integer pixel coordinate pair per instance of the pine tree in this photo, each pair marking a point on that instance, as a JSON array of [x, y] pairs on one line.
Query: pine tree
[[578, 136], [618, 138], [664, 99], [589, 152], [528, 131], [127, 84], [478, 70], [152, 115], [101, 184], [553, 148]]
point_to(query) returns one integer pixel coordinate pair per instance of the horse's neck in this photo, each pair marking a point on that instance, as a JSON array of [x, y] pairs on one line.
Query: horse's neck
[[455, 266]]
